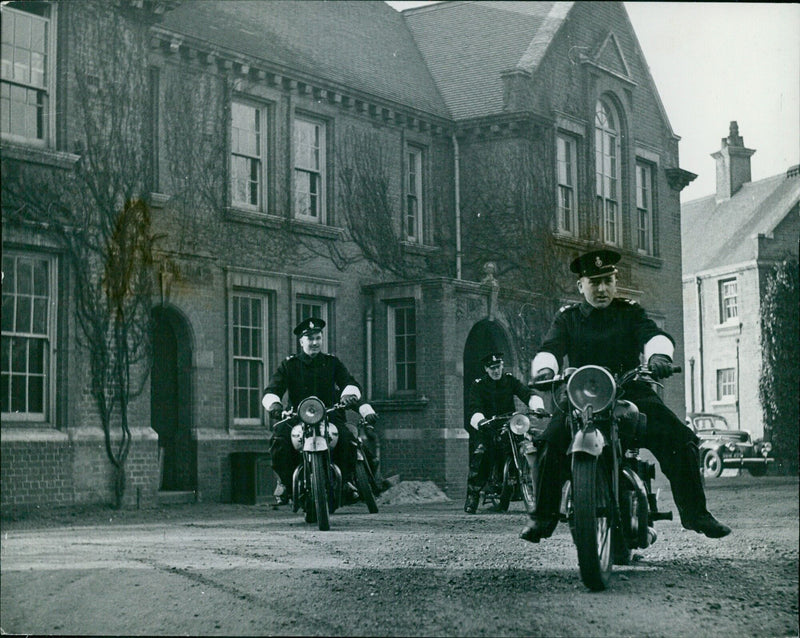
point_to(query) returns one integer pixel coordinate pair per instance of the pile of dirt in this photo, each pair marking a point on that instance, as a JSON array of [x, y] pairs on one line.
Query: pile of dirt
[[412, 492]]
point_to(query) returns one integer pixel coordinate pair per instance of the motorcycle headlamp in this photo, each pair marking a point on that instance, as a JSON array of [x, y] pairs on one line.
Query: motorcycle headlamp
[[311, 410], [519, 423], [591, 386]]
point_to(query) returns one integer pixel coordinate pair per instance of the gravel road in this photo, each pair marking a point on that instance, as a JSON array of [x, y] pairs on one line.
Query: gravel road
[[412, 569]]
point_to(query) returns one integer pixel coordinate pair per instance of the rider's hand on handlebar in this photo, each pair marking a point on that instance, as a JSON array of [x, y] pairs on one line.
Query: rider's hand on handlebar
[[349, 399], [371, 419], [660, 365], [276, 410], [545, 374]]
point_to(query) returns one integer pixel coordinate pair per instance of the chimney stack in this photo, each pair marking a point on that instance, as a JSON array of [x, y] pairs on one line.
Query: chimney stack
[[733, 164]]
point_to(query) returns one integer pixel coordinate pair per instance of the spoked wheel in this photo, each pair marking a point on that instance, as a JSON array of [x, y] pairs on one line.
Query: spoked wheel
[[319, 483], [507, 488], [527, 480], [591, 495], [364, 488]]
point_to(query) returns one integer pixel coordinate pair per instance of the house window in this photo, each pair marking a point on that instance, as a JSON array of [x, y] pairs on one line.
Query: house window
[[726, 384], [567, 179], [607, 171], [309, 170], [414, 200], [26, 88], [249, 347], [644, 208], [402, 348], [307, 307], [728, 300], [248, 159], [27, 336]]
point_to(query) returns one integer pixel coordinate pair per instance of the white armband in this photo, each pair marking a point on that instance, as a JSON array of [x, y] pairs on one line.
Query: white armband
[[544, 360], [658, 345], [535, 403], [352, 389], [365, 409], [476, 418], [269, 399]]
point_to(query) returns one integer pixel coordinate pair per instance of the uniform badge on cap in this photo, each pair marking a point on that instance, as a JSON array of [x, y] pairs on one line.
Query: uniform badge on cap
[[309, 325], [596, 263]]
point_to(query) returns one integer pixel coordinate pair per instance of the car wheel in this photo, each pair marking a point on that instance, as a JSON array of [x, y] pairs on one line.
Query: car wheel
[[758, 470], [712, 464]]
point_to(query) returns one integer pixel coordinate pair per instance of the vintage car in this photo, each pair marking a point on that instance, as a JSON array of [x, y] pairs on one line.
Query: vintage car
[[722, 447]]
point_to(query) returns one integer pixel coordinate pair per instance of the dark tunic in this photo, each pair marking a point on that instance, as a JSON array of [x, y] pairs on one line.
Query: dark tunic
[[491, 398], [323, 376], [612, 337]]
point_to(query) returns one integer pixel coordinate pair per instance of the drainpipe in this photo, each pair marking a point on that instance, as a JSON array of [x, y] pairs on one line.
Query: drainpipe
[[700, 343], [456, 167], [368, 388], [691, 380], [738, 370]]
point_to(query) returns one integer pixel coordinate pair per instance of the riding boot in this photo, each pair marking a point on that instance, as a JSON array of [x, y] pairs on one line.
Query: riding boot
[[686, 481], [477, 470]]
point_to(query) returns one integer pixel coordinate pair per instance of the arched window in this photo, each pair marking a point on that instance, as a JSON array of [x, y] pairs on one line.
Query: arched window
[[607, 171]]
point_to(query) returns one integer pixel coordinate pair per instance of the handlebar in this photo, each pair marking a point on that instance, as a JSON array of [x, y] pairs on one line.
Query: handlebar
[[547, 385], [292, 415]]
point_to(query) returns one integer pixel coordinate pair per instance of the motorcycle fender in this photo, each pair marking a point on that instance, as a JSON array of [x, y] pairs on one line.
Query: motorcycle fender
[[315, 444], [591, 442]]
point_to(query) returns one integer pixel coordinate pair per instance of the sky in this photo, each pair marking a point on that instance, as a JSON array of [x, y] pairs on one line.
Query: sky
[[717, 62]]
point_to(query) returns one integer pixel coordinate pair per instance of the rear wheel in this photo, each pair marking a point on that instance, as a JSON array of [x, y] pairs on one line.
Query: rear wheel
[[507, 489], [364, 488], [319, 484], [591, 496]]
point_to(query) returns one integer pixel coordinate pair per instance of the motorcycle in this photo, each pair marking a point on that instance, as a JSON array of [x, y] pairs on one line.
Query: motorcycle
[[366, 484], [317, 481], [607, 501], [512, 475]]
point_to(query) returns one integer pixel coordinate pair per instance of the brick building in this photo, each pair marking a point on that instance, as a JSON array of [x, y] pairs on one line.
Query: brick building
[[731, 240], [499, 139]]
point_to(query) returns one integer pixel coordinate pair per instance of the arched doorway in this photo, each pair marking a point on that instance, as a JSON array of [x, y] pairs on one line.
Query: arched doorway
[[171, 400], [486, 336]]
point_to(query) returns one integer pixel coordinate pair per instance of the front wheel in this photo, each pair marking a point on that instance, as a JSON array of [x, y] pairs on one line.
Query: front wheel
[[364, 489], [591, 498], [527, 480], [319, 485], [712, 464], [507, 489]]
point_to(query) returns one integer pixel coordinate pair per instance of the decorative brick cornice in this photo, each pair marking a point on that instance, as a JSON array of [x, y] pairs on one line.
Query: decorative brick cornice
[[678, 178]]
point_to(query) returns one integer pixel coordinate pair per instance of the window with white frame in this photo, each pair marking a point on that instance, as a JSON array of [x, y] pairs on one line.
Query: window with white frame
[[414, 202], [309, 170], [249, 349], [567, 170], [248, 156], [309, 307], [644, 208], [726, 384], [402, 348], [607, 171], [27, 84], [28, 336], [728, 300]]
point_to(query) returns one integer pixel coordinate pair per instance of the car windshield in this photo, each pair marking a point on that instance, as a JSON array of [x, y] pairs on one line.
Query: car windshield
[[710, 422]]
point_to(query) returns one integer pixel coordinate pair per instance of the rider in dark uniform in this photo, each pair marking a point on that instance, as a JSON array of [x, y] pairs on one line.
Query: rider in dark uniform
[[490, 395], [613, 332], [310, 373]]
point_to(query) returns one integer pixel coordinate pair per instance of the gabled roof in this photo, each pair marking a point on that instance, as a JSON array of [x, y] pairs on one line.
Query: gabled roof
[[467, 45], [364, 46], [717, 234]]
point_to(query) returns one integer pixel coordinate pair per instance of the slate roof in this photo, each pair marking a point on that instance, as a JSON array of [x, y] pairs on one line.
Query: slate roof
[[717, 234], [364, 46], [467, 45]]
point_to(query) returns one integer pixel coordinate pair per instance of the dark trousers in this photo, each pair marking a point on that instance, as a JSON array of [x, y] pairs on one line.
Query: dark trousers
[[672, 443], [285, 458], [482, 452]]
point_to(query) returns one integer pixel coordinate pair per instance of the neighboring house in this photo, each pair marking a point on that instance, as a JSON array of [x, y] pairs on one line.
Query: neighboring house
[[277, 99], [731, 240]]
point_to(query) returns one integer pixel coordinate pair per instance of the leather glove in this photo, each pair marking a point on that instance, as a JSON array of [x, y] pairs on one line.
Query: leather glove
[[349, 399], [276, 411], [545, 374], [371, 419], [660, 365]]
